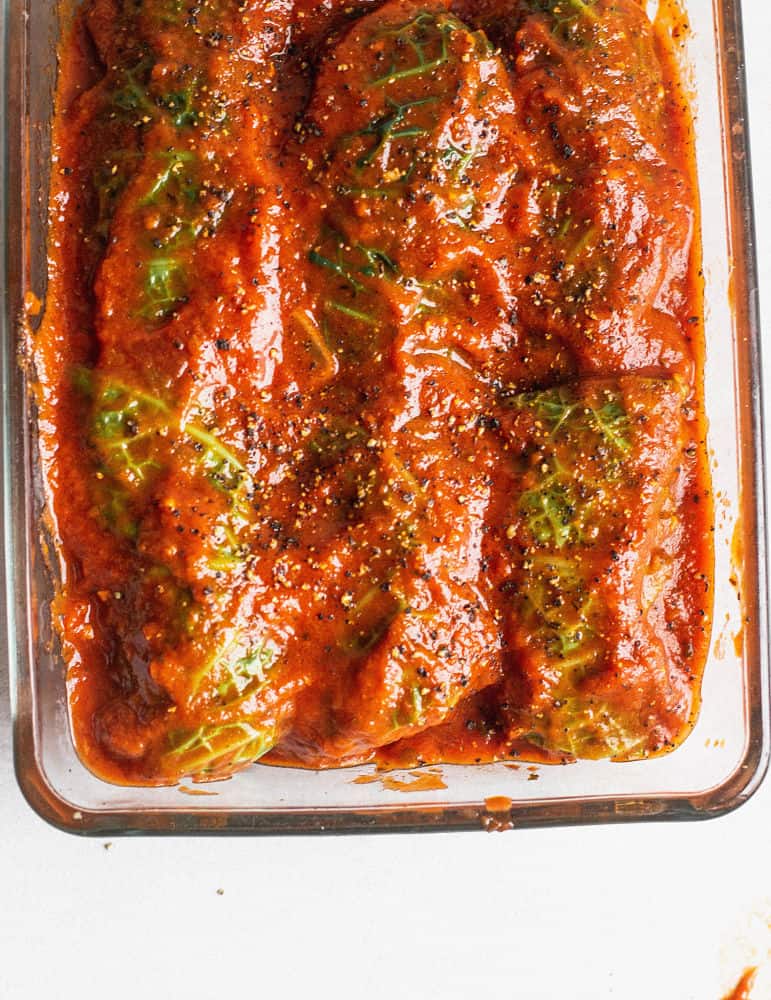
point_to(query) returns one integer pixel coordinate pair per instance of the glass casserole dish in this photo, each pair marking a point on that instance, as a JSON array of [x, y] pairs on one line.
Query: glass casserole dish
[[722, 761]]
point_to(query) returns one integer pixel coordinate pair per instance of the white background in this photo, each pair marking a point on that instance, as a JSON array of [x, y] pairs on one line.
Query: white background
[[660, 912]]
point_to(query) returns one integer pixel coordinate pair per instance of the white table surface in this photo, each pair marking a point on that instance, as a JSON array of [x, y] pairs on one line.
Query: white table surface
[[660, 912]]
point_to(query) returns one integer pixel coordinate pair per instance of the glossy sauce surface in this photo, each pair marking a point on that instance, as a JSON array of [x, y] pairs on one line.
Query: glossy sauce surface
[[370, 385]]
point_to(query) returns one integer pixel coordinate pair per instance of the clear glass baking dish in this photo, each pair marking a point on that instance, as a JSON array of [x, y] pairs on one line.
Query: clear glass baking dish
[[725, 758]]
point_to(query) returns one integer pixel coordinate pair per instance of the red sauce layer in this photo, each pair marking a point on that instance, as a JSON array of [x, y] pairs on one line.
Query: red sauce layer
[[370, 385]]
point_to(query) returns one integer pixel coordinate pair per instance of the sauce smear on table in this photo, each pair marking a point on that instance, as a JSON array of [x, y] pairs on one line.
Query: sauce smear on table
[[743, 989]]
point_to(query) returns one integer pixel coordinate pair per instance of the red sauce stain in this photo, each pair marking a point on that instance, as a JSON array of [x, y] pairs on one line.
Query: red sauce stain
[[422, 781], [418, 781], [737, 566], [498, 803], [194, 791], [743, 989]]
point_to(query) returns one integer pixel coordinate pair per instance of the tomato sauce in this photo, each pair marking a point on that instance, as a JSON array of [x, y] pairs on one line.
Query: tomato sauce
[[369, 385], [743, 989]]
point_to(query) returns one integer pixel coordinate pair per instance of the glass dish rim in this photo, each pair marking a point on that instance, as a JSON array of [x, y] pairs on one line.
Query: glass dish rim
[[589, 809]]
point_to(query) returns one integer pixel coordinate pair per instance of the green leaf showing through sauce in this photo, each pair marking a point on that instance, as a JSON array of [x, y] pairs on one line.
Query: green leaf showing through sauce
[[245, 671], [228, 475], [558, 7], [378, 262], [576, 464], [558, 509], [566, 414], [386, 129], [559, 606], [125, 425], [212, 748], [566, 13], [170, 182], [132, 96], [113, 504], [554, 407], [368, 620], [234, 667], [366, 318], [130, 430], [215, 453], [411, 709], [591, 728], [333, 439], [336, 267], [612, 422], [573, 22], [373, 262], [457, 161], [165, 287], [576, 480], [550, 510], [424, 41], [177, 190], [181, 107]]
